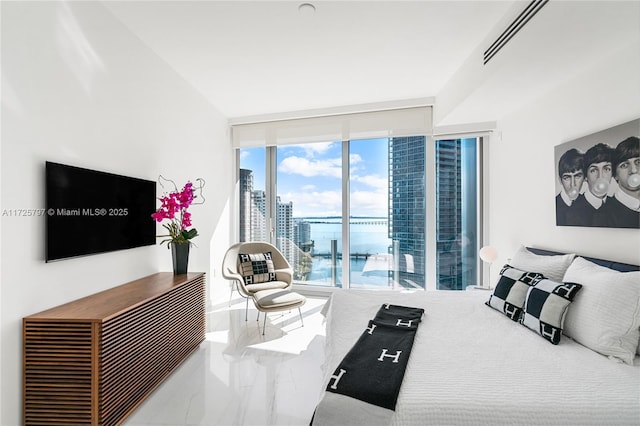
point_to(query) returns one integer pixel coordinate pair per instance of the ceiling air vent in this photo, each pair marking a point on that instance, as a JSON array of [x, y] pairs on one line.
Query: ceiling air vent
[[532, 8]]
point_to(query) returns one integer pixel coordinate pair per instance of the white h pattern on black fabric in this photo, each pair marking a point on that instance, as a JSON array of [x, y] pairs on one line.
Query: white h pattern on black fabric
[[337, 379], [395, 357], [368, 378]]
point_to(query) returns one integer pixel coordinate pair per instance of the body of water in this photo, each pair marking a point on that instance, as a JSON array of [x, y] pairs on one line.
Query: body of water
[[368, 236]]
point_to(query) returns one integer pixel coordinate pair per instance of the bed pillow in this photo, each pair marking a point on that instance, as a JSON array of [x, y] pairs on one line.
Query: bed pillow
[[511, 291], [605, 315], [552, 267], [256, 268], [546, 306]]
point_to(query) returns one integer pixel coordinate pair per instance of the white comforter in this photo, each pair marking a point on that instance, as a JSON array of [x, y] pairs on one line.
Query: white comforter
[[471, 365]]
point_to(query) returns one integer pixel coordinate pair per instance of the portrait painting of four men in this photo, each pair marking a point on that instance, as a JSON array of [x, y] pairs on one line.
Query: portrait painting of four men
[[598, 179]]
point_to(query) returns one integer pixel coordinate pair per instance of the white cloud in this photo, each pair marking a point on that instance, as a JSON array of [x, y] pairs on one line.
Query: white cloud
[[369, 203], [329, 203], [368, 198], [373, 181], [315, 203], [355, 159], [309, 168], [316, 148]]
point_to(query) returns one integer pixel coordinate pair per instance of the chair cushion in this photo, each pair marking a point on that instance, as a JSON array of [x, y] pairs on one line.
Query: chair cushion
[[270, 285], [256, 267], [276, 300]]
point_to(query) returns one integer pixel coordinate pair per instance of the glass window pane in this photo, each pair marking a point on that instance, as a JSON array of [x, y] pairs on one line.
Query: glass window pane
[[407, 211], [457, 213], [309, 211], [371, 258], [387, 203], [252, 202]]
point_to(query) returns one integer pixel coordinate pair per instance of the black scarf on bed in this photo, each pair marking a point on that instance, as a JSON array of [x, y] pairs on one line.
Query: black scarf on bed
[[373, 370]]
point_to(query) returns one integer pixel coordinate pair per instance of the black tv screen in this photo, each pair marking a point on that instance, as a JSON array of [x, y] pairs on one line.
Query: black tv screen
[[90, 212]]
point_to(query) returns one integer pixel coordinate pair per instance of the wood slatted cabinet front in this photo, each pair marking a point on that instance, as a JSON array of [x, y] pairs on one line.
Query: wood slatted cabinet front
[[94, 360]]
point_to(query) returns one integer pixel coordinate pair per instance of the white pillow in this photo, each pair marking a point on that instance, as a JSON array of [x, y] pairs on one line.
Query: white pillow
[[552, 267], [605, 315]]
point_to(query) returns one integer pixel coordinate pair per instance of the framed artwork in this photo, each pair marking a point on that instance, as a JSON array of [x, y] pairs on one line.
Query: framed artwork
[[598, 179]]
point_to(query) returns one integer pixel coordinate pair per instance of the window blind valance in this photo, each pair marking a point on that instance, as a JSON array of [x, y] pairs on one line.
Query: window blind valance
[[331, 128]]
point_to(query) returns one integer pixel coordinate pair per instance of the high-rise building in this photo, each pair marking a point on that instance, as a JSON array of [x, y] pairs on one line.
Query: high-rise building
[[244, 204], [258, 230], [456, 212], [302, 235], [252, 221], [253, 207], [455, 215], [284, 230], [407, 208]]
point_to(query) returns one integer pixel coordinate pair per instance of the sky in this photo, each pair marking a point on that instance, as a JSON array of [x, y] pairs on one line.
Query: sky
[[310, 176]]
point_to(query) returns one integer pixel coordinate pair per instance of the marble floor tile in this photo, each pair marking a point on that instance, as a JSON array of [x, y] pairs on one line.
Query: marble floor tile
[[240, 377]]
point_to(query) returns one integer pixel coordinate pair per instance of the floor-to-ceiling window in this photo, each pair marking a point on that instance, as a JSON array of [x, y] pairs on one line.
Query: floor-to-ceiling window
[[407, 210], [457, 212], [385, 205], [371, 258], [309, 219], [352, 207]]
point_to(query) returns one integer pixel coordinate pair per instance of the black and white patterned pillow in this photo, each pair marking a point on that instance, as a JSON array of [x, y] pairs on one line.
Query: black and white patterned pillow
[[511, 291], [256, 268], [546, 306]]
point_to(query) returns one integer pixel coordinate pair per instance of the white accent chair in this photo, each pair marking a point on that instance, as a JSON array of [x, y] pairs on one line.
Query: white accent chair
[[267, 296]]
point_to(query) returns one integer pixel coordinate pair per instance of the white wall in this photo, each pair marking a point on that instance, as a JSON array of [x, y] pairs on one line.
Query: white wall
[[522, 176], [79, 88]]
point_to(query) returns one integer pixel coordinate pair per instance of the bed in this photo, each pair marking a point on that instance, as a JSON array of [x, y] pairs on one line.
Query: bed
[[471, 364]]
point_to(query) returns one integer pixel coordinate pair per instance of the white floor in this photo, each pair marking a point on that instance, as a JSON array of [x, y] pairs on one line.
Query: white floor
[[240, 377]]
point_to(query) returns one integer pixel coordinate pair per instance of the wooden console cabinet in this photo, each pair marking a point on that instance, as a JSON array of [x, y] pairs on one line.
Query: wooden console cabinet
[[94, 360]]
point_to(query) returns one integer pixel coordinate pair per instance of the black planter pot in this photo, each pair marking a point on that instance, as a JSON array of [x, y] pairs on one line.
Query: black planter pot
[[180, 257]]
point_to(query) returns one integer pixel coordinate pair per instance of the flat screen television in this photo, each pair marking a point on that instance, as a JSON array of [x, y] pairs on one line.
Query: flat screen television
[[90, 212]]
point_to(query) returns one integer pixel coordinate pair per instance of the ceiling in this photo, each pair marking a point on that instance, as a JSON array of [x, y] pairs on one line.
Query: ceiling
[[264, 57]]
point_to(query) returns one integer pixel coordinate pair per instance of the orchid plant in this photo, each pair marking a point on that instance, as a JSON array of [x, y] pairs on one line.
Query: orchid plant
[[173, 208]]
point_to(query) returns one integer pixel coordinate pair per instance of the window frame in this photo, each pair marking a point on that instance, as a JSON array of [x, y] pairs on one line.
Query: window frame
[[431, 275]]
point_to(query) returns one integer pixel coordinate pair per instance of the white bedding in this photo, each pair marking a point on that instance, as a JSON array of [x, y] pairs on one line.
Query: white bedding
[[471, 364]]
